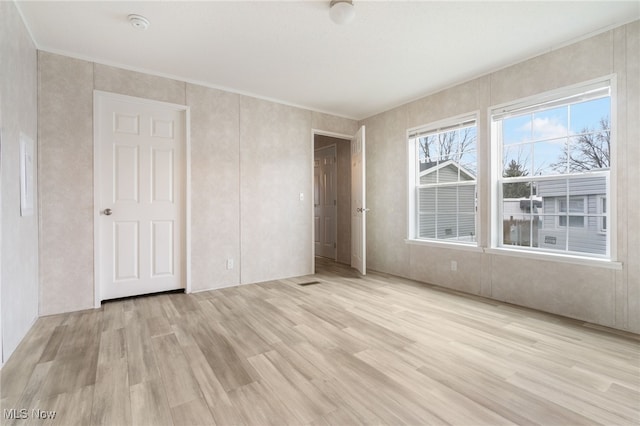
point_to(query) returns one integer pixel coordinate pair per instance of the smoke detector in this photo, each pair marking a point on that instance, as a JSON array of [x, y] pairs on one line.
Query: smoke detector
[[139, 22]]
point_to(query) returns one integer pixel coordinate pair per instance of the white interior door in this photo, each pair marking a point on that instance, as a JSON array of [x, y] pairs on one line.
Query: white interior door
[[141, 148], [358, 203], [325, 202]]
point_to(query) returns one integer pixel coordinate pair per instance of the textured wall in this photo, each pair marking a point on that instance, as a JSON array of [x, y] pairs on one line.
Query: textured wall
[[331, 123], [215, 184], [627, 60], [65, 140], [597, 294], [131, 83], [251, 159], [18, 114], [275, 168]]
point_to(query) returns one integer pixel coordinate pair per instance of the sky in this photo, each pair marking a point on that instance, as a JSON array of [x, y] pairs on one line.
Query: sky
[[537, 140]]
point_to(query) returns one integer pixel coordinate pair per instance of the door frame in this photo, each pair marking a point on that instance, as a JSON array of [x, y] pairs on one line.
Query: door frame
[[97, 196], [314, 133], [335, 228]]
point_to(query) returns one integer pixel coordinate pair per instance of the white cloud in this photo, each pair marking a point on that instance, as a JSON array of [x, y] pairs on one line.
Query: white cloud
[[546, 128]]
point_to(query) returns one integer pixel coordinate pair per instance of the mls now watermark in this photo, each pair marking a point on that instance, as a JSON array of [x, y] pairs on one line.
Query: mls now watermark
[[23, 414]]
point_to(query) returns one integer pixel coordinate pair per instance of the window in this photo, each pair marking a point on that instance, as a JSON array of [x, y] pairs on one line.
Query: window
[[576, 205], [602, 211], [443, 169], [553, 171]]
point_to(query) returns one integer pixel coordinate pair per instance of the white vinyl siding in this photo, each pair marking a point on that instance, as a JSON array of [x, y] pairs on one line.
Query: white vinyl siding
[[584, 234], [447, 212]]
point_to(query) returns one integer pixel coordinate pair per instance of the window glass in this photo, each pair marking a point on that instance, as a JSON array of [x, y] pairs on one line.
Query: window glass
[[519, 129], [554, 172], [550, 123], [445, 181]]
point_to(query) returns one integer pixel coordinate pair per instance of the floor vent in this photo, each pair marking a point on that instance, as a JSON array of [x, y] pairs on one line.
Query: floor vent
[[309, 283]]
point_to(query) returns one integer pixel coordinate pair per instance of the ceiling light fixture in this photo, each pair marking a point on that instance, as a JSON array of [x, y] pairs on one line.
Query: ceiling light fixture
[[342, 11], [139, 22]]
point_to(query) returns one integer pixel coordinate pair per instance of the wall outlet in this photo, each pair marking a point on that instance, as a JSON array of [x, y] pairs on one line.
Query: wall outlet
[[302, 196], [229, 263], [454, 265]]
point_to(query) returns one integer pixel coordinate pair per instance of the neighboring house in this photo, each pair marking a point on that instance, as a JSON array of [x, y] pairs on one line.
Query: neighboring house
[[447, 171], [587, 230], [456, 204]]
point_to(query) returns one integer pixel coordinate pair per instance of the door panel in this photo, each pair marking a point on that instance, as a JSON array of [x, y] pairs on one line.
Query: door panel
[[358, 202], [325, 202], [162, 175], [329, 233], [141, 148], [162, 128], [126, 123], [127, 250], [162, 248], [125, 173]]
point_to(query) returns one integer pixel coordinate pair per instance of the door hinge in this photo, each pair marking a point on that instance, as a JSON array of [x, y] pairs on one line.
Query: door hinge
[[335, 202]]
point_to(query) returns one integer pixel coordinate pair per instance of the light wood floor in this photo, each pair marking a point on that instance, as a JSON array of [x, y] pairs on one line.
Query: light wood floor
[[347, 350]]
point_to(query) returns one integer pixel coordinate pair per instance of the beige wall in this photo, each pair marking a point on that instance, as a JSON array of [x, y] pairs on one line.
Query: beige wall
[[275, 165], [604, 296], [215, 186], [343, 154], [19, 235], [251, 159], [65, 141]]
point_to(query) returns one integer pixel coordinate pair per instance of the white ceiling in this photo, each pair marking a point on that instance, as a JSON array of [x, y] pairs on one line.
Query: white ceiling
[[291, 52]]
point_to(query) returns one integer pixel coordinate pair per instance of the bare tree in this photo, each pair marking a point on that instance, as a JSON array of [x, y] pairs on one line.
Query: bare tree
[[516, 160], [588, 151], [443, 146]]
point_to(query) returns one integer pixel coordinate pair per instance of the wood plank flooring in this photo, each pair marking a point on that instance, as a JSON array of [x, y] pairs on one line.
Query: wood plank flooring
[[345, 351]]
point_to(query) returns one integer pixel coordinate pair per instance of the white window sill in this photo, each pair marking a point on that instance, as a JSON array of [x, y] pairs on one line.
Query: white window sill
[[445, 245], [553, 257]]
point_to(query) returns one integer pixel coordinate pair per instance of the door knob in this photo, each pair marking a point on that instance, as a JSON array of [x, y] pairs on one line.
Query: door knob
[[108, 212]]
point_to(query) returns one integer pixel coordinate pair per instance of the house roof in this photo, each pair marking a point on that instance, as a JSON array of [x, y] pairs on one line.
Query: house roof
[[431, 166]]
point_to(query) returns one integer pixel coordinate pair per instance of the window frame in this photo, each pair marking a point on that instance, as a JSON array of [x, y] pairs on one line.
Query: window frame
[[452, 123], [554, 98]]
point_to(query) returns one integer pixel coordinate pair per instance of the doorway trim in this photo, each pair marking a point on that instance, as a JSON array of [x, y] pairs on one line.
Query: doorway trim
[[314, 133], [97, 197]]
